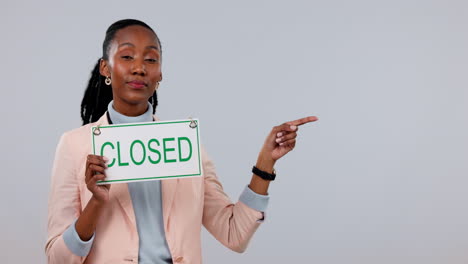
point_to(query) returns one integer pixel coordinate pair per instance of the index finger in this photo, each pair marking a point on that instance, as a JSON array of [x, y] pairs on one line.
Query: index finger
[[303, 121], [96, 159]]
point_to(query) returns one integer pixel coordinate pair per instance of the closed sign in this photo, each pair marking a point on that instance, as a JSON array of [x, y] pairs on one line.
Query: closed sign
[[149, 151]]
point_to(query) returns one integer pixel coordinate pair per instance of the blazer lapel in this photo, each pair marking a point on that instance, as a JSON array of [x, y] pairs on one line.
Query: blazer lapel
[[169, 188], [121, 193]]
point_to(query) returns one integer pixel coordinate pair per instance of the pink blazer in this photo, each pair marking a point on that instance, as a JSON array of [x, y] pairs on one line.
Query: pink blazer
[[187, 204]]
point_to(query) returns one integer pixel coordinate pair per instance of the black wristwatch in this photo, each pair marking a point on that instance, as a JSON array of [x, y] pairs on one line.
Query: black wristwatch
[[263, 174]]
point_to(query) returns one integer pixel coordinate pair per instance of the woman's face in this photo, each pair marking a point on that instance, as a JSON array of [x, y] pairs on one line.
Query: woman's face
[[134, 67]]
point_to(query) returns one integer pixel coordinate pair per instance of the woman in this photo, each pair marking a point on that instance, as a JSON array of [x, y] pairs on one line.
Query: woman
[[145, 222]]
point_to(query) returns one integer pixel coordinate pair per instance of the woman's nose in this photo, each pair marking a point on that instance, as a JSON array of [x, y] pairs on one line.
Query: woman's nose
[[138, 68]]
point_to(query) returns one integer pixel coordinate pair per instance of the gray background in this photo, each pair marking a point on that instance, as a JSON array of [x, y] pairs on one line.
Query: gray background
[[381, 178]]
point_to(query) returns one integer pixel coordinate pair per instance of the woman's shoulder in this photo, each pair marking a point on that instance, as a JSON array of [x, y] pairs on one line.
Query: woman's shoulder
[[78, 139], [79, 132], [84, 131]]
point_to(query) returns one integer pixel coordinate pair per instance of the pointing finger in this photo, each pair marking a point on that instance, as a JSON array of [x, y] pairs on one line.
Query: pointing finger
[[303, 121]]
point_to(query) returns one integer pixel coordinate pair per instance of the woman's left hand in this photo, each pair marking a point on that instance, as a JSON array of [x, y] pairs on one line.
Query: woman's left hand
[[282, 139]]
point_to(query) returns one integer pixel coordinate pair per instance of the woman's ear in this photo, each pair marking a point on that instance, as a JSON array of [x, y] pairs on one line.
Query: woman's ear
[[104, 68]]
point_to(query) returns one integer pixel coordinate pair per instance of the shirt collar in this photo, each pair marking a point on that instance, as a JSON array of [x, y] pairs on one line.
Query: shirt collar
[[118, 118]]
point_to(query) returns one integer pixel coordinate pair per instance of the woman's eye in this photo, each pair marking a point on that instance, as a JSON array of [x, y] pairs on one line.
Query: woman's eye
[[152, 60], [127, 57]]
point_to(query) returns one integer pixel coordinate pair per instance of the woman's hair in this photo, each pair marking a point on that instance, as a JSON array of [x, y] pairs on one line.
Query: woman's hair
[[97, 96]]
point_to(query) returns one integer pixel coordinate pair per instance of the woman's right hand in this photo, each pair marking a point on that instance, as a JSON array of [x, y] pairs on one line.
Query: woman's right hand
[[95, 171]]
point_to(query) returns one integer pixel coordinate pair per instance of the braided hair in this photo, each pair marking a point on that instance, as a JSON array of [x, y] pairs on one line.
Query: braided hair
[[97, 96]]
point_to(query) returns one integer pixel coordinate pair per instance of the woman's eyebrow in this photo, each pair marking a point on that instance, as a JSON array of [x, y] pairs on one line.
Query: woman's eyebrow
[[153, 47]]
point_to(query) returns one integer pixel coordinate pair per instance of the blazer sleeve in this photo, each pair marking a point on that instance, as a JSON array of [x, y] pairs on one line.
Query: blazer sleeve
[[64, 203], [231, 224]]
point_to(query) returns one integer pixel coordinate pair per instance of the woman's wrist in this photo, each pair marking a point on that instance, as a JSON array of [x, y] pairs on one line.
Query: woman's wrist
[[257, 184], [265, 164], [96, 202]]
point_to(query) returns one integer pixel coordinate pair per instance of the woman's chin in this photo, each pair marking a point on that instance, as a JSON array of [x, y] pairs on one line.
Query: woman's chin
[[136, 99]]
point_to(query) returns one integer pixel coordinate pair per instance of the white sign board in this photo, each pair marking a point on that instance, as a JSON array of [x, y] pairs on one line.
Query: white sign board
[[149, 151]]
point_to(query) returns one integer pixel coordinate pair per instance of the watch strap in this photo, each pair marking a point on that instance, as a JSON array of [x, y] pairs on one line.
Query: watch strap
[[263, 174]]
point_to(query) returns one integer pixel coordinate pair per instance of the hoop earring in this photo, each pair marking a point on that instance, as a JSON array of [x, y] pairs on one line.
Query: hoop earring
[[108, 80]]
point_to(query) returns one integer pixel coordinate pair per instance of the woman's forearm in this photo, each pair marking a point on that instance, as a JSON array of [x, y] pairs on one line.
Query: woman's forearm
[[258, 184], [86, 223]]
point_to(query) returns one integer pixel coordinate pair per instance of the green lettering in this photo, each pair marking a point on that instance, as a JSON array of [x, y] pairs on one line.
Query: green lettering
[[180, 149], [144, 152], [154, 151], [102, 153], [118, 156], [166, 160]]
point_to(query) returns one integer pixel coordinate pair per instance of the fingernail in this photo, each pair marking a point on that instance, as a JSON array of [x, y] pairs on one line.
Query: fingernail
[[281, 144], [105, 159], [278, 140], [279, 134], [293, 127]]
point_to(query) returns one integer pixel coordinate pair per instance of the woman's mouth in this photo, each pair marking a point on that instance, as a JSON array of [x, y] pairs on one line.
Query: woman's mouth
[[136, 84]]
